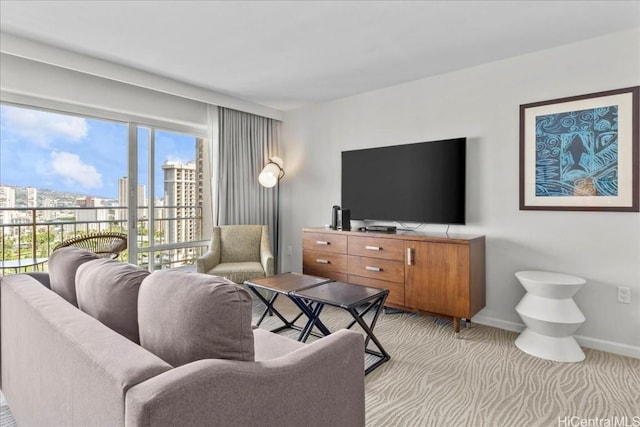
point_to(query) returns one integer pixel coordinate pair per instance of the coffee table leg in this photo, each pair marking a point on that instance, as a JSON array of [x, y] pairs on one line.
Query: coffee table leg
[[270, 308], [378, 304], [368, 329], [312, 310]]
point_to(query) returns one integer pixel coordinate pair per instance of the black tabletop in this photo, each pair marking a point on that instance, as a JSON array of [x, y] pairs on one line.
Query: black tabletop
[[286, 282], [340, 294]]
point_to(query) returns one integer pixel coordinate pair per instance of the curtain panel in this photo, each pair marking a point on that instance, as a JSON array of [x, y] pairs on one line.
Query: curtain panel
[[246, 142]]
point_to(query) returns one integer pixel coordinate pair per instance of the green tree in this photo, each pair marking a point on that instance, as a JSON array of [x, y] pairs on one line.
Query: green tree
[[7, 249]]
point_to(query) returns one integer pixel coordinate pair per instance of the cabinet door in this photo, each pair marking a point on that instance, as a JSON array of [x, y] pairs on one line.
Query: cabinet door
[[437, 277]]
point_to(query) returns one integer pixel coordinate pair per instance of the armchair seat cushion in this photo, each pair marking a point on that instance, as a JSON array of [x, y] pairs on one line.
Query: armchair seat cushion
[[238, 272]]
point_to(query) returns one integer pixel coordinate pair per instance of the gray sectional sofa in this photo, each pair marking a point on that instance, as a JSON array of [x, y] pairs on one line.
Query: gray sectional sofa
[[103, 343]]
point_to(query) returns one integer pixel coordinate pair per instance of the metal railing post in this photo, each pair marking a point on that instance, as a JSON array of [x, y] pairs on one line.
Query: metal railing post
[[34, 240]]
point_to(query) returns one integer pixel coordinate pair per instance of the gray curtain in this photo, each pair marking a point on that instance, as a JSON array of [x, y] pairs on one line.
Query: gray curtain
[[246, 142]]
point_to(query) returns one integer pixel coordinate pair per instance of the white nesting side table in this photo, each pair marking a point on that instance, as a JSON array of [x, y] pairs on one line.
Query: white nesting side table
[[550, 315]]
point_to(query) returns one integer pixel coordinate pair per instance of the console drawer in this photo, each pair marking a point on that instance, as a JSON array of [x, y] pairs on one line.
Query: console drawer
[[325, 261], [327, 242], [396, 290], [376, 268], [376, 247]]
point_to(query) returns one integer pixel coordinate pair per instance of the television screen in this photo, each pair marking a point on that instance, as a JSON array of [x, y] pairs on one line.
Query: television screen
[[422, 182]]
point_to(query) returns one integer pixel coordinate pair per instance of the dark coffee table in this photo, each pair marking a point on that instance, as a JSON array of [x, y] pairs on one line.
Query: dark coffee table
[[355, 299], [283, 284], [311, 294]]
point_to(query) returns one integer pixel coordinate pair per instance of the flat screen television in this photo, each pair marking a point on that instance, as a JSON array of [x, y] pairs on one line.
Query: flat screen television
[[422, 182]]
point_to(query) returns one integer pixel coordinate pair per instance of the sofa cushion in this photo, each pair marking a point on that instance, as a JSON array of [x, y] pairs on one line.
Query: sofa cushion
[[108, 291], [269, 345], [185, 317], [63, 264]]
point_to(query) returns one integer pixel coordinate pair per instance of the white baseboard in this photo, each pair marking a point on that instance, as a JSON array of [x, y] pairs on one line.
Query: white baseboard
[[498, 323], [588, 342], [608, 346]]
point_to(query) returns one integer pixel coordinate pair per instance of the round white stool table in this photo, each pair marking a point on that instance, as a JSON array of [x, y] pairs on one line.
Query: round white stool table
[[550, 315]]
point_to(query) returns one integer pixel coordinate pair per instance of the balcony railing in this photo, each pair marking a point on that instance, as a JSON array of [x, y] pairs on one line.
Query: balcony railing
[[28, 233]]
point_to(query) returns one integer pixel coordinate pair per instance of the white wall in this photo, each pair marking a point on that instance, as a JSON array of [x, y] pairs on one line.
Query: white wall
[[482, 103]]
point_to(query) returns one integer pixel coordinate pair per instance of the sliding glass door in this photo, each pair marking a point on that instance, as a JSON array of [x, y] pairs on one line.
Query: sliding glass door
[[171, 181]]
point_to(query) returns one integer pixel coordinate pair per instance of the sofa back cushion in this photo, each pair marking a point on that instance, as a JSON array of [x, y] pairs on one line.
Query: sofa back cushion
[[108, 291], [185, 317], [63, 264]]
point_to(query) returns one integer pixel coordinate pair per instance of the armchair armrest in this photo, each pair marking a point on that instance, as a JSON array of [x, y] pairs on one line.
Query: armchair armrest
[[207, 261], [319, 384], [266, 255], [266, 259], [211, 258]]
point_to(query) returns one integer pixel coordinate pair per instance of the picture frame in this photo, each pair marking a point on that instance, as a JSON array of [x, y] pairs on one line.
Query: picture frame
[[581, 153]]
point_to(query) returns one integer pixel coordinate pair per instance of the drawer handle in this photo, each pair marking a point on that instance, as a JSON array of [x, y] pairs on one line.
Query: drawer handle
[[373, 248], [322, 261], [322, 242], [370, 268], [409, 256]]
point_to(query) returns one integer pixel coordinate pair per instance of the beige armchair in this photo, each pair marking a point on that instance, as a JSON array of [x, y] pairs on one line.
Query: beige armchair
[[239, 253]]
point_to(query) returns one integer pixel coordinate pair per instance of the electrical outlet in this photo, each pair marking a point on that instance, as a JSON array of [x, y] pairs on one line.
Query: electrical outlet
[[624, 295]]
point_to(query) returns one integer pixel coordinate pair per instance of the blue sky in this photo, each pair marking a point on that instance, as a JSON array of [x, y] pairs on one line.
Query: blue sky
[[83, 155]]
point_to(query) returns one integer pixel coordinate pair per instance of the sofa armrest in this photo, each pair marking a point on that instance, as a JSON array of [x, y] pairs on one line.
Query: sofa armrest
[[41, 277], [318, 385], [62, 366]]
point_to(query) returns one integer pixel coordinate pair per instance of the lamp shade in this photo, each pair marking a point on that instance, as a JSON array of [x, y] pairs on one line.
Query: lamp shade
[[271, 172]]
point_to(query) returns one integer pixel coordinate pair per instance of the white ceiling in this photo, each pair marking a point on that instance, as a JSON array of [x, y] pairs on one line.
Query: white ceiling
[[286, 54]]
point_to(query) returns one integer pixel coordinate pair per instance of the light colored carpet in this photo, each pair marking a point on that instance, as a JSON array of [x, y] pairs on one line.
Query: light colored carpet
[[483, 379], [480, 380], [6, 418]]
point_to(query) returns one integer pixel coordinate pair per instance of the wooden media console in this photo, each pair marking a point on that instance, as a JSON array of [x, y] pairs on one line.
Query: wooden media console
[[441, 274]]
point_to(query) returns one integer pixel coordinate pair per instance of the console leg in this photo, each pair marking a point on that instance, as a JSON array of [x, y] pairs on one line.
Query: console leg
[[456, 326]]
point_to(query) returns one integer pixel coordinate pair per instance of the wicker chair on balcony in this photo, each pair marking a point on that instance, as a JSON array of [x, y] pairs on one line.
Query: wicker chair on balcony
[[106, 244]]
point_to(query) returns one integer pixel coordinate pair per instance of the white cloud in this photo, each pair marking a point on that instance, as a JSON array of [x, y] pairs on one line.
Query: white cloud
[[74, 171], [41, 127]]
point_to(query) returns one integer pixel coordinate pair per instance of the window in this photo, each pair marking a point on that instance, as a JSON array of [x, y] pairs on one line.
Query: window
[[62, 175], [175, 214]]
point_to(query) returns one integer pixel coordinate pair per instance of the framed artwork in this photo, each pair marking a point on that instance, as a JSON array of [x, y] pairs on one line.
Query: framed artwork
[[581, 153]]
